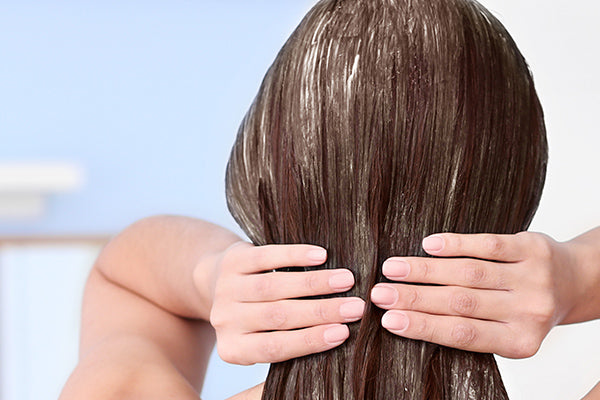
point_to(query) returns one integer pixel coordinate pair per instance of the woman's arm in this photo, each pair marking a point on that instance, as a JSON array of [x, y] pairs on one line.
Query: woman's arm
[[131, 348], [144, 331], [150, 294], [159, 259], [585, 249], [191, 268]]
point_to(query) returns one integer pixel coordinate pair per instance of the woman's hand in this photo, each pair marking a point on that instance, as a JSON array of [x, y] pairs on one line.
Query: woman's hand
[[254, 312], [503, 299]]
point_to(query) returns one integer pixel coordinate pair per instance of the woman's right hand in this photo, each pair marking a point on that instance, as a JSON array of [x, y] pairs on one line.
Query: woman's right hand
[[256, 312]]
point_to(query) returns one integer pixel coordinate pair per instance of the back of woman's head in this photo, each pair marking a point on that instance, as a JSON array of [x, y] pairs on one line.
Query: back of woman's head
[[379, 123]]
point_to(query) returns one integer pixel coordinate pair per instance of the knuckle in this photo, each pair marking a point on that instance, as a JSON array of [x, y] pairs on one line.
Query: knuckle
[[228, 355], [544, 248], [224, 285], [214, 320], [525, 235], [263, 287], [225, 354], [271, 350], [426, 269], [463, 335], [310, 341], [544, 278], [499, 278], [217, 318], [289, 252], [526, 346], [423, 330], [228, 260], [321, 312], [463, 303], [493, 245], [452, 241], [545, 309], [410, 298], [474, 274], [260, 255], [457, 242], [275, 316], [311, 282]]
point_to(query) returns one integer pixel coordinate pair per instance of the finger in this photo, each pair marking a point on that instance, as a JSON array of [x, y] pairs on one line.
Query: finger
[[271, 347], [486, 246], [444, 300], [467, 272], [252, 259], [288, 285], [457, 332], [293, 314]]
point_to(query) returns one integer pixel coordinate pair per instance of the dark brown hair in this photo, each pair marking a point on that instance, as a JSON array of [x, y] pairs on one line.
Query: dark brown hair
[[379, 123]]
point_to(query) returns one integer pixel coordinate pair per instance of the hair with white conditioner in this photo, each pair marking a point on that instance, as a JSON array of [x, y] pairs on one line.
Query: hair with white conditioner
[[379, 123]]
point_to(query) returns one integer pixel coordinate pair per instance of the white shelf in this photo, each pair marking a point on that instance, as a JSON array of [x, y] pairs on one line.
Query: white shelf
[[25, 186]]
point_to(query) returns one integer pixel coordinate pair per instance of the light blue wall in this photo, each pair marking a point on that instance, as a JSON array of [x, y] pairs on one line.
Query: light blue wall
[[145, 96]]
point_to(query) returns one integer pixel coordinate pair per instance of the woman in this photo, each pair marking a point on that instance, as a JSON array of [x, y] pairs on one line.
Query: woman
[[301, 219]]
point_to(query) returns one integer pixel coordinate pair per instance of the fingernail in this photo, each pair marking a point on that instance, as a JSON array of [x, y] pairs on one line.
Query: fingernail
[[433, 243], [395, 268], [352, 310], [342, 280], [317, 254], [384, 295], [336, 334], [395, 321]]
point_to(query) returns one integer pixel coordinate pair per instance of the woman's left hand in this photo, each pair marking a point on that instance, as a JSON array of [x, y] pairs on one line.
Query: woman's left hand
[[503, 299]]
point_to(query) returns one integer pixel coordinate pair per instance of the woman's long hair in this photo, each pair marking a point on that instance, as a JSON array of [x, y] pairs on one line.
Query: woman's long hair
[[379, 123]]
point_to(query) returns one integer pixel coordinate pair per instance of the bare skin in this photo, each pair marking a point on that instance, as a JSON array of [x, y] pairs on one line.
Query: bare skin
[[248, 302], [165, 272], [594, 394], [527, 284], [143, 280], [178, 273], [504, 298]]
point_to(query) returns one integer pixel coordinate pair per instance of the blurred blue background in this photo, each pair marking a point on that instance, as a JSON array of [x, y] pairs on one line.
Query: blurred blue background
[[146, 98]]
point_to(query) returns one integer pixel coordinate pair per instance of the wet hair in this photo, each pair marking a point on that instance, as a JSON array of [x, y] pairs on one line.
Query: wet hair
[[381, 122]]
